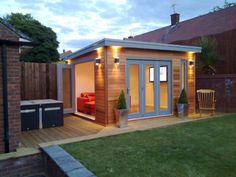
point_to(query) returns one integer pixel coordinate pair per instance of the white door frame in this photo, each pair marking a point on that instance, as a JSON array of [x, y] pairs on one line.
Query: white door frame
[[60, 86]]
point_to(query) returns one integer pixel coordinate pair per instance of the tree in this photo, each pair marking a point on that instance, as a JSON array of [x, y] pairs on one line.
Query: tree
[[45, 37], [209, 56], [226, 5]]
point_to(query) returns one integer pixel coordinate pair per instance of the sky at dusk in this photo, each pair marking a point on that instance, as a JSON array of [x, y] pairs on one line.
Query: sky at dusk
[[81, 22]]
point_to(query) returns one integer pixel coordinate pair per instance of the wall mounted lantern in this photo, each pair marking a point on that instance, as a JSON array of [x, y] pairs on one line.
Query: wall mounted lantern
[[191, 63], [98, 61], [117, 60]]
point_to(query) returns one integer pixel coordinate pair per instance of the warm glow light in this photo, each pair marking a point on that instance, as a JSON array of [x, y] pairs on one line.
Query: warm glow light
[[99, 52], [191, 62], [116, 47], [116, 51], [68, 62], [190, 56]]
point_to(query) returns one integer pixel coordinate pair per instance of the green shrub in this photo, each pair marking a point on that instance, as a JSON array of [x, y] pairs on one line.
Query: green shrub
[[121, 101], [183, 98], [209, 57]]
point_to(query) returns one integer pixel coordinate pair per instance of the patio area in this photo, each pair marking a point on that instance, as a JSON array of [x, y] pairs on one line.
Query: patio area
[[78, 129]]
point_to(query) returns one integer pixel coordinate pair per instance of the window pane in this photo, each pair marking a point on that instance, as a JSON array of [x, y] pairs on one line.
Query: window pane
[[164, 87], [149, 88], [183, 75], [134, 88]]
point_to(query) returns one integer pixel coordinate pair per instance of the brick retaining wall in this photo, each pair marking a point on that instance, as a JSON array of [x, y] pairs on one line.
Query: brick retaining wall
[[59, 163], [22, 166]]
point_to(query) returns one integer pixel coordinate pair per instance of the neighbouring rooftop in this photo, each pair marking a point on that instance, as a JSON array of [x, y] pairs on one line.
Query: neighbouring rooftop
[[204, 25]]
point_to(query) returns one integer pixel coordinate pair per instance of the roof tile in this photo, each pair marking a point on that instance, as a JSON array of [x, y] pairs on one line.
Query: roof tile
[[208, 24]]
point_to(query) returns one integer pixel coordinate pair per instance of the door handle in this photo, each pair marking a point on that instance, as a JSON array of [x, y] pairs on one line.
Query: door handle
[[127, 91]]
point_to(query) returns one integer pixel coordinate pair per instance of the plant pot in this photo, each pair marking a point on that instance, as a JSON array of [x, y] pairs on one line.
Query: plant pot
[[121, 117], [182, 110]]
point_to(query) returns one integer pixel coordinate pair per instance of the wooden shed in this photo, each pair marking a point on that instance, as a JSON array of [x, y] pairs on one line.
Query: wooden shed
[[152, 76]]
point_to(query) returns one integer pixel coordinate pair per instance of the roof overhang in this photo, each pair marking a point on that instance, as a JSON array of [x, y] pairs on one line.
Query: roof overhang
[[19, 43], [135, 45]]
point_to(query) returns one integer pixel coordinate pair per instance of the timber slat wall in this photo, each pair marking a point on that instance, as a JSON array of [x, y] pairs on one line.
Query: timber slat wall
[[100, 82], [116, 75], [225, 93], [226, 49], [110, 78], [38, 81]]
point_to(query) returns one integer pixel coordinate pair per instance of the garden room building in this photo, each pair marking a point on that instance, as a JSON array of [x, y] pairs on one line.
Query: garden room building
[[152, 75]]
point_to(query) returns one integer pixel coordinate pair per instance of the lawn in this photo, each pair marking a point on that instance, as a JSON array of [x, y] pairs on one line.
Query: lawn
[[206, 148]]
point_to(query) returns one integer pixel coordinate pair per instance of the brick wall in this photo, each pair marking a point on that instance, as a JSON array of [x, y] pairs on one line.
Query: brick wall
[[1, 108], [22, 166], [13, 67], [14, 76], [7, 34]]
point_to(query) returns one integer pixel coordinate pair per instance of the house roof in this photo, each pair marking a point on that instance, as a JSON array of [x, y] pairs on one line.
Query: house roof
[[134, 44], [63, 56], [23, 37], [208, 24]]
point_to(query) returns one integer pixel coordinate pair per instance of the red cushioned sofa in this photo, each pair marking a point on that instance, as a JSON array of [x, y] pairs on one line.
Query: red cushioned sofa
[[86, 103]]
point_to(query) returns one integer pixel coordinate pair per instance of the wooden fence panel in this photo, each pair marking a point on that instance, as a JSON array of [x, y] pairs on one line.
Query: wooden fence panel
[[225, 48], [52, 79], [38, 81], [43, 82], [225, 87]]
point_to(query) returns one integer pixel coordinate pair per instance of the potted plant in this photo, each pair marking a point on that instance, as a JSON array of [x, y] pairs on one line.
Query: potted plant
[[121, 111], [182, 105]]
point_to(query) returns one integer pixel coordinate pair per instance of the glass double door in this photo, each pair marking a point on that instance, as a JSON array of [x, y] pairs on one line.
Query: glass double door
[[149, 88]]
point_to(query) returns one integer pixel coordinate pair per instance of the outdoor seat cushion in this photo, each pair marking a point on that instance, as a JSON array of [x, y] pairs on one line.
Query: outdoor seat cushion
[[86, 102], [90, 104], [87, 94], [90, 107], [91, 98]]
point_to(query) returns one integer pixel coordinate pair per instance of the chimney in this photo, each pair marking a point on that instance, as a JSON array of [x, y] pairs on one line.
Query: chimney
[[174, 19], [130, 37]]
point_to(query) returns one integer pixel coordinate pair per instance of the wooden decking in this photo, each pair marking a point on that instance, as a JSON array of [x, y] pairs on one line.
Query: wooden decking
[[73, 127]]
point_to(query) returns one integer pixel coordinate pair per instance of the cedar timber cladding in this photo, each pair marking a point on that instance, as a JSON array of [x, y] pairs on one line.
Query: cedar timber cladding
[[110, 78], [116, 79], [116, 76], [100, 89]]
